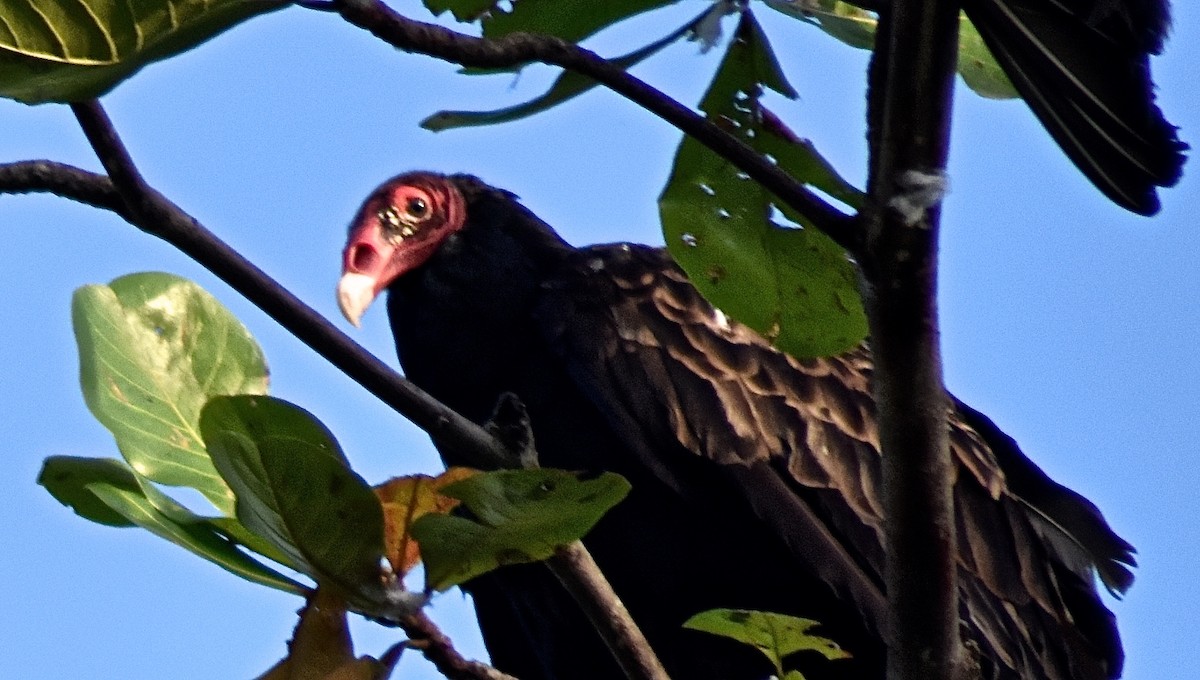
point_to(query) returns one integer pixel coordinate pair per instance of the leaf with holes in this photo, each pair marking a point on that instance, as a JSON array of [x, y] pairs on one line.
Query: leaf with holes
[[777, 636], [108, 492], [61, 50], [295, 490], [789, 282], [510, 517], [152, 349]]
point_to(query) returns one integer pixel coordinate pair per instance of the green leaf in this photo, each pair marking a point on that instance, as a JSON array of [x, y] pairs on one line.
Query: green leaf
[[67, 479], [845, 22], [856, 27], [775, 635], [566, 87], [978, 67], [109, 492], [152, 349], [511, 516], [794, 285], [571, 21], [295, 490], [61, 50]]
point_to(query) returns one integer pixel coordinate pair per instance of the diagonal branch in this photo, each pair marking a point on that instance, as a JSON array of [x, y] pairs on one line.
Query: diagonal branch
[[128, 195], [154, 214], [521, 48], [425, 635]]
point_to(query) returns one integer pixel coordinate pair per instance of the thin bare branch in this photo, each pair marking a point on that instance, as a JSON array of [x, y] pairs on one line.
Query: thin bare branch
[[151, 212], [67, 181], [425, 635], [521, 48], [909, 125], [578, 572]]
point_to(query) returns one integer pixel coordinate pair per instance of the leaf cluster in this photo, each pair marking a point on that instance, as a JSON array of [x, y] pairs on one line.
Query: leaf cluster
[[181, 385]]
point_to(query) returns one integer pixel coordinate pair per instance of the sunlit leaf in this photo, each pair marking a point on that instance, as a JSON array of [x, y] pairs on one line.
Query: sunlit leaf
[[856, 27], [152, 349], [107, 491], [407, 499], [295, 490], [61, 50], [789, 282], [510, 517], [775, 635], [979, 68]]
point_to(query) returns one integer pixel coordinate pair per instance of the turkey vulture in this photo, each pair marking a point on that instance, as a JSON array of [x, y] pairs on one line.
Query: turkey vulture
[[756, 476], [1083, 67]]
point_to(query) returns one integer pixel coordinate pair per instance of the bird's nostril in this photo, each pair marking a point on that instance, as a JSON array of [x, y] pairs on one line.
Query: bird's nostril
[[362, 258]]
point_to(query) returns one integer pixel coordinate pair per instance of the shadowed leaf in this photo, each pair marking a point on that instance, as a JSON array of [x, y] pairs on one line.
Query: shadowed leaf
[[61, 51], [509, 517], [108, 492], [295, 490], [790, 283], [571, 21], [321, 649]]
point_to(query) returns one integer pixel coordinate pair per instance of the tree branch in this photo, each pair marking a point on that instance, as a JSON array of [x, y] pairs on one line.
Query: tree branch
[[60, 179], [579, 573], [909, 127], [521, 48], [146, 209], [151, 212], [425, 635]]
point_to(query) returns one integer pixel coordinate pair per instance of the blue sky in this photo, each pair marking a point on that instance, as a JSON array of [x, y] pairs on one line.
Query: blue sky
[[1070, 322]]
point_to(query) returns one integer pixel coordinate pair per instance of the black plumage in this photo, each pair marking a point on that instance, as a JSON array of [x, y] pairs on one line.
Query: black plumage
[[756, 476]]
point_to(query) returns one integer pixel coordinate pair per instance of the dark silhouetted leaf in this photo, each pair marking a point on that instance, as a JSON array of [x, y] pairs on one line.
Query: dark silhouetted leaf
[[295, 490], [107, 491], [321, 648], [511, 516], [571, 21], [790, 283], [775, 635], [61, 51], [152, 349], [566, 87]]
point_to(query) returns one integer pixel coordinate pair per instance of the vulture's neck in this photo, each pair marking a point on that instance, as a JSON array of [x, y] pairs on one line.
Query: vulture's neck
[[463, 321]]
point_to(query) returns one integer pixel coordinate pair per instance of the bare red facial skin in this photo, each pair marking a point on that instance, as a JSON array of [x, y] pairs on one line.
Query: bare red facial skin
[[400, 227]]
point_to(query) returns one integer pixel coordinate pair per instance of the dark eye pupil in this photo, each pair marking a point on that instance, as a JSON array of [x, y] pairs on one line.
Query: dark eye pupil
[[416, 207]]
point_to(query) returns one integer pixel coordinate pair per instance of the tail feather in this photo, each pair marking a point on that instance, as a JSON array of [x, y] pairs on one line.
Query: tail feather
[[1083, 67]]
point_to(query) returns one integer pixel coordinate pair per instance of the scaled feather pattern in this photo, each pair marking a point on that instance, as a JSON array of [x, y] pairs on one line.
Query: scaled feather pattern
[[756, 475]]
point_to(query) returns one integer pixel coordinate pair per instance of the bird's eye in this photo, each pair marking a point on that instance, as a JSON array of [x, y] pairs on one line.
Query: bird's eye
[[416, 207]]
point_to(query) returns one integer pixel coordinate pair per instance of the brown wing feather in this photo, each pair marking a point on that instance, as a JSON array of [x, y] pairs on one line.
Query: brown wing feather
[[799, 439]]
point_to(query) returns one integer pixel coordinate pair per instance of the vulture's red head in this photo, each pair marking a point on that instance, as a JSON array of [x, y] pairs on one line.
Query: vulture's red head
[[398, 228]]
